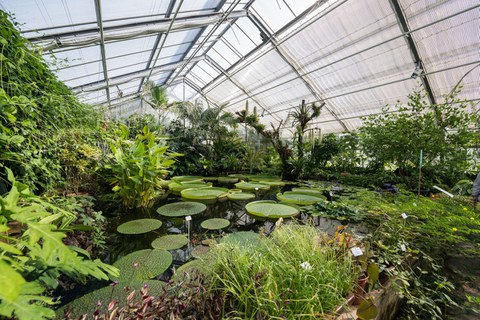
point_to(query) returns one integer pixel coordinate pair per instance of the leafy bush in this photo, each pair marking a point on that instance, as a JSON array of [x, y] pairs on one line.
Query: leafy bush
[[136, 168], [33, 254], [293, 274]]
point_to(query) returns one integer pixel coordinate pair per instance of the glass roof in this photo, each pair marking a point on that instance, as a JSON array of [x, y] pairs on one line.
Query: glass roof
[[355, 56]]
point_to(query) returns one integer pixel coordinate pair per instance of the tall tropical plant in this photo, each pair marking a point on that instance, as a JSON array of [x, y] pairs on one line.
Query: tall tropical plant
[[301, 117]]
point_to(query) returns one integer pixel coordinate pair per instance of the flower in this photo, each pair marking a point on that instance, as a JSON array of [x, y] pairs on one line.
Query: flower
[[306, 265], [472, 218], [454, 229], [465, 209], [135, 265]]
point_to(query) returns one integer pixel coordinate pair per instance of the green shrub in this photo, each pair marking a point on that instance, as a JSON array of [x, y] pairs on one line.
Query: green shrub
[[137, 167]]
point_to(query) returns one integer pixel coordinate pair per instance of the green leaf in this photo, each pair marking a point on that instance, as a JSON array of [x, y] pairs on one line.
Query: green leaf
[[11, 282], [367, 310], [373, 272], [9, 248]]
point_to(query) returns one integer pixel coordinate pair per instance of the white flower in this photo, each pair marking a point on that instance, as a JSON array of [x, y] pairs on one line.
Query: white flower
[[305, 265]]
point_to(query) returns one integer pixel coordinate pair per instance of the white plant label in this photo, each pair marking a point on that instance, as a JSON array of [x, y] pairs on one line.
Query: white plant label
[[356, 251], [306, 265], [403, 247], [404, 215], [188, 218]]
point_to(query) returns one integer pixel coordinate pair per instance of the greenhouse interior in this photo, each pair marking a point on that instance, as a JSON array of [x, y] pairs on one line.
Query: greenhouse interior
[[240, 159]]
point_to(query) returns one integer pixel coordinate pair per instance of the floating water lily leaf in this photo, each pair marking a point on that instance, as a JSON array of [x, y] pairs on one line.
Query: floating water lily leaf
[[307, 190], [262, 177], [242, 238], [139, 226], [186, 178], [240, 196], [271, 209], [170, 242], [210, 193], [215, 224], [239, 176], [177, 187], [200, 251], [273, 183], [100, 298], [227, 180], [190, 269], [251, 186], [180, 209], [143, 264], [299, 198]]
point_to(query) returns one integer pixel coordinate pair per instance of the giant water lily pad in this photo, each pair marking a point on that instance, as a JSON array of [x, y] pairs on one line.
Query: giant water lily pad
[[273, 183], [307, 190], [177, 187], [299, 198], [100, 298], [200, 251], [191, 268], [251, 186], [262, 177], [186, 178], [209, 193], [180, 209], [240, 196], [170, 242], [227, 180], [139, 226], [271, 209], [143, 264], [215, 224]]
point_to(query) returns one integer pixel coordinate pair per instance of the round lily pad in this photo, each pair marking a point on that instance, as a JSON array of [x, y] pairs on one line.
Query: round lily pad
[[273, 183], [262, 177], [170, 242], [299, 198], [227, 180], [209, 193], [215, 224], [180, 209], [251, 186], [308, 191], [177, 187], [186, 178], [240, 196], [190, 268], [139, 226], [143, 264], [271, 209], [200, 251]]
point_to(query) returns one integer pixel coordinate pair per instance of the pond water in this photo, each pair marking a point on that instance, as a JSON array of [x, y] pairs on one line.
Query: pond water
[[120, 244]]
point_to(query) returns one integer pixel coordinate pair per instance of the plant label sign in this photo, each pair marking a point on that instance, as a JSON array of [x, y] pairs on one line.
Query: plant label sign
[[188, 218], [356, 251], [403, 247], [404, 215]]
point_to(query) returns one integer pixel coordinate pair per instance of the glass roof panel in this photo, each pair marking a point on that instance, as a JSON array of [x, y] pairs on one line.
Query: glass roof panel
[[299, 6], [249, 29], [274, 14], [115, 9], [33, 14], [448, 44]]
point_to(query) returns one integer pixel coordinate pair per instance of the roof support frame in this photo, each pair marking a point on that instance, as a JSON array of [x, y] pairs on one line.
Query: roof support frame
[[98, 10], [249, 95], [346, 57], [402, 23], [304, 78]]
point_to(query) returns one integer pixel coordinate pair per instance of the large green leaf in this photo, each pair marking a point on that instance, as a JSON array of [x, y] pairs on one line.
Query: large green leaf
[[215, 224], [11, 281], [251, 186], [170, 242], [204, 193], [240, 196], [180, 209], [306, 190], [299, 198], [139, 226], [271, 209], [143, 264], [177, 187]]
